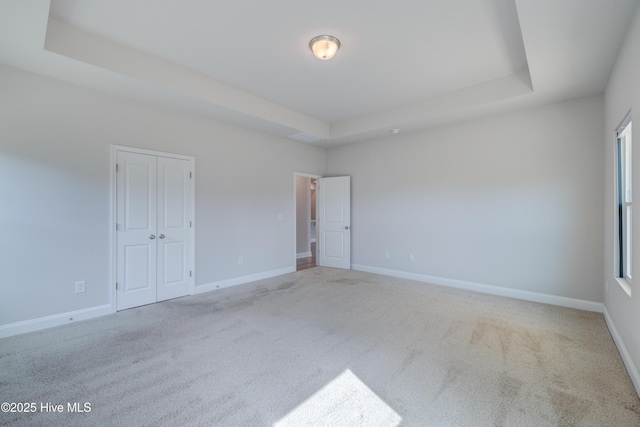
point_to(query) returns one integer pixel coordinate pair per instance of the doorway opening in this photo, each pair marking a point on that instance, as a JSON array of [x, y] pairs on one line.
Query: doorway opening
[[332, 220], [305, 221]]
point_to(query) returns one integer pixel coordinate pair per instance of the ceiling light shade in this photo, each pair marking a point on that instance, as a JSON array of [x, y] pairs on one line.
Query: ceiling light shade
[[324, 47]]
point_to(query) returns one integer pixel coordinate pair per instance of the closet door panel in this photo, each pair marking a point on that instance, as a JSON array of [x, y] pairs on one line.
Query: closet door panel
[[174, 227], [136, 242]]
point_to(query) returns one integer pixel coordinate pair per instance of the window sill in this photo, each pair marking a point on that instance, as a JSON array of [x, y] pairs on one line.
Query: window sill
[[625, 285]]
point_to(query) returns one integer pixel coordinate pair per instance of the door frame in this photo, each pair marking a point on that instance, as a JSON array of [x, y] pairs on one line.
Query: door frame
[[295, 215], [113, 217]]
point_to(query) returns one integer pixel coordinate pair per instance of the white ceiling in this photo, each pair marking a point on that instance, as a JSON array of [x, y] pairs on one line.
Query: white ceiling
[[405, 64]]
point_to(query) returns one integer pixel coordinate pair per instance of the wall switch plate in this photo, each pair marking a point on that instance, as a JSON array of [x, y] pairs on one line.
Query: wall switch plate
[[240, 261], [80, 287], [280, 217], [411, 257], [387, 255]]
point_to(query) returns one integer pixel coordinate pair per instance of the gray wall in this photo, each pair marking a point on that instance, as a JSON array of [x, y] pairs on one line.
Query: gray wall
[[54, 192], [622, 95], [511, 201]]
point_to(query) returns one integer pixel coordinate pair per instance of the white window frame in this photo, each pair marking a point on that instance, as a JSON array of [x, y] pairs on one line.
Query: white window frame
[[624, 221]]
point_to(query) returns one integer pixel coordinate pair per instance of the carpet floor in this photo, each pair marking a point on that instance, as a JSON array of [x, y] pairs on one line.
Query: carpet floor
[[323, 347]]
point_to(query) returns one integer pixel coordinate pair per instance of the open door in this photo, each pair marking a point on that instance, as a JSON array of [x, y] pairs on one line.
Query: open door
[[334, 222]]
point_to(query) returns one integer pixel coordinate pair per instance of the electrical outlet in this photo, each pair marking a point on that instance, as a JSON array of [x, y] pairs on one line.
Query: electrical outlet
[[240, 261], [410, 257], [80, 287], [387, 255]]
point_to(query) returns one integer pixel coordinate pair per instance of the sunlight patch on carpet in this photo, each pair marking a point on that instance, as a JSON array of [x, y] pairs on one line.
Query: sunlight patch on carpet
[[345, 401]]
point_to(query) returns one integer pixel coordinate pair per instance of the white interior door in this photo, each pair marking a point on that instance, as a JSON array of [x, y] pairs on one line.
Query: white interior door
[[334, 222], [174, 214], [136, 240], [154, 203]]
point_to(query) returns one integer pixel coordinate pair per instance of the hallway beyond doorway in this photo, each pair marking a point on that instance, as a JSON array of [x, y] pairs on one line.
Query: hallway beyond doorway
[[308, 262]]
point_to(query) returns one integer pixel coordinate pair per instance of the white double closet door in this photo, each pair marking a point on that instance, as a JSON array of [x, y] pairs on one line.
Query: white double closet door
[[154, 219]]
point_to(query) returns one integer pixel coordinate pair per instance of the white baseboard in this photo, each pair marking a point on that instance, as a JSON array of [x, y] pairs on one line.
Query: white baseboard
[[487, 289], [624, 353], [243, 279], [33, 325], [303, 255], [40, 323]]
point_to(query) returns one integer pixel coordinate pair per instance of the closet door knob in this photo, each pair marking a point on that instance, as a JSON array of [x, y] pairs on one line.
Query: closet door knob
[[161, 236], [153, 236]]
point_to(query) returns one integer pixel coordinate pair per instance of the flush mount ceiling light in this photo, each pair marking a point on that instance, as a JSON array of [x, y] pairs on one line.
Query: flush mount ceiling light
[[324, 47]]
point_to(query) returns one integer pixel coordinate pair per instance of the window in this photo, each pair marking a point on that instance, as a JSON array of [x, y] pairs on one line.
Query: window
[[624, 199]]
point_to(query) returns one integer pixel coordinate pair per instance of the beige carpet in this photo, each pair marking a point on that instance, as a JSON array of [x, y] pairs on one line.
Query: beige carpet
[[325, 347]]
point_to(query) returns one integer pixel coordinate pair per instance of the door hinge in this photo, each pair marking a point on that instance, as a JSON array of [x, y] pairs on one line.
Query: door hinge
[[116, 167], [116, 286], [191, 175], [190, 224], [190, 273]]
